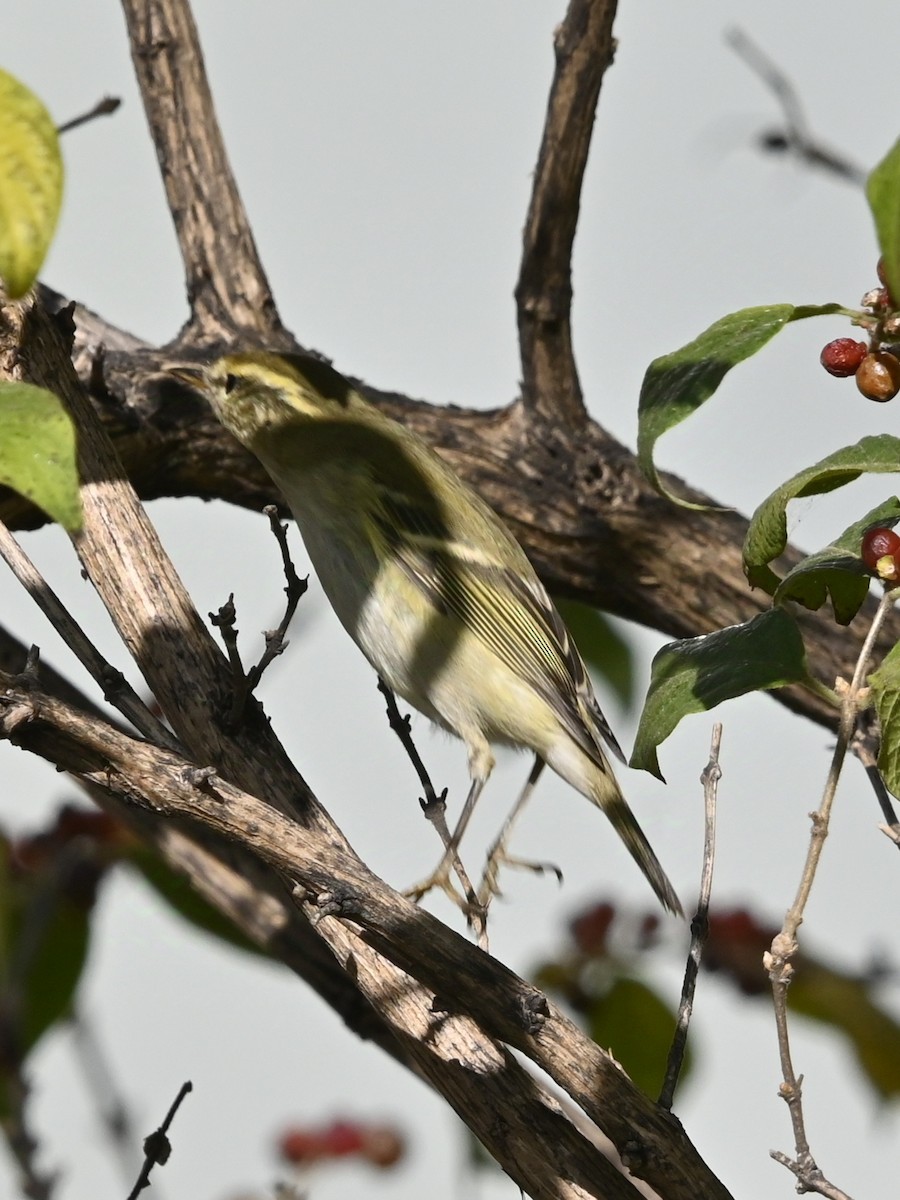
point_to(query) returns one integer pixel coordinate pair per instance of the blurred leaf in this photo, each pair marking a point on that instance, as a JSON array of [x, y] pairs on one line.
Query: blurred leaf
[[180, 896], [883, 192], [37, 451], [31, 181], [677, 384], [738, 940], [602, 647], [838, 572], [636, 1026], [696, 674], [845, 1002], [44, 933], [767, 535], [885, 684]]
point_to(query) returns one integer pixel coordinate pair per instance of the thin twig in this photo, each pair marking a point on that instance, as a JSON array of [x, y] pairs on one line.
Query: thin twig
[[294, 589], [865, 747], [401, 727], [157, 1146], [434, 807], [245, 682], [778, 961], [116, 689], [103, 108], [699, 925], [795, 138]]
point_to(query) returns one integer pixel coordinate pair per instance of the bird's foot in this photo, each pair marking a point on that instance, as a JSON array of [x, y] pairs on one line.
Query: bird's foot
[[497, 858], [475, 911]]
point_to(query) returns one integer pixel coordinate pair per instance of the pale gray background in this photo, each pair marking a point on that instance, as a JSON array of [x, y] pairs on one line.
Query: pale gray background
[[384, 151]]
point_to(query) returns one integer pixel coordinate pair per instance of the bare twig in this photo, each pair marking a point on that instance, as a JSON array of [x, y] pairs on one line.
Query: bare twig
[[865, 746], [116, 689], [699, 925], [294, 589], [434, 807], [795, 137], [245, 683], [778, 961], [401, 726], [103, 108], [157, 1147]]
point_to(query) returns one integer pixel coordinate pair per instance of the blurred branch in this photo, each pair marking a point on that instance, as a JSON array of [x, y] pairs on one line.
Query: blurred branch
[[795, 136]]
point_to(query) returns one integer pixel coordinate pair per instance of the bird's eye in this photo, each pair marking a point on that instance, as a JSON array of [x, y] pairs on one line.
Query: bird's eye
[[230, 382]]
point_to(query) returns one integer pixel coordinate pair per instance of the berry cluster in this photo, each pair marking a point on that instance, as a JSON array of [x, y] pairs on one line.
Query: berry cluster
[[875, 364], [881, 554], [381, 1145]]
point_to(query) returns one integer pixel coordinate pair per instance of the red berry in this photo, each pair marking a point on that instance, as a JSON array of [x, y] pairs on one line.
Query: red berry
[[343, 1137], [878, 376], [876, 543], [842, 356], [300, 1146]]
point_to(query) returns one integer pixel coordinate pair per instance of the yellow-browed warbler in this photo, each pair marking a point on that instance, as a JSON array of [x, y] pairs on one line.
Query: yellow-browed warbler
[[425, 578]]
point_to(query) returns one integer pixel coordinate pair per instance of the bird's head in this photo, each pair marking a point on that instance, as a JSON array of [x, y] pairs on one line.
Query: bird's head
[[254, 392]]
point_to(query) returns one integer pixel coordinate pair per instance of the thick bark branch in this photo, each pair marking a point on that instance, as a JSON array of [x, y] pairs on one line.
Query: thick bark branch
[[226, 283], [584, 49], [595, 529], [453, 1008]]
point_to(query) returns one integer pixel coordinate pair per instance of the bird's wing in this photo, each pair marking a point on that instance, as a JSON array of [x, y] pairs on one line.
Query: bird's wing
[[509, 611]]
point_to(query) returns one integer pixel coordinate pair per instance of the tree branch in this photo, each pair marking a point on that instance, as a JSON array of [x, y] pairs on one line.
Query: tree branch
[[452, 1007], [584, 49], [226, 283]]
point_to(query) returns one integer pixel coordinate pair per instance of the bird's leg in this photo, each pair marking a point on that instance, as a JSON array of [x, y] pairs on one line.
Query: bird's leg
[[450, 861], [497, 854]]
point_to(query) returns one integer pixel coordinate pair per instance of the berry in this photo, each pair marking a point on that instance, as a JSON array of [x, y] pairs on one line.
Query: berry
[[383, 1146], [876, 544], [878, 376], [881, 553], [842, 356]]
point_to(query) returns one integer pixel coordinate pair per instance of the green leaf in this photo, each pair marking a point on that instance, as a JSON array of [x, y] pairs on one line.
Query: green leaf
[[636, 1026], [838, 572], [767, 535], [37, 451], [883, 192], [679, 383], [697, 674], [31, 182], [602, 647], [885, 684]]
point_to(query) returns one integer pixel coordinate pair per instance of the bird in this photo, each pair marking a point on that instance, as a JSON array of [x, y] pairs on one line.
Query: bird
[[429, 582]]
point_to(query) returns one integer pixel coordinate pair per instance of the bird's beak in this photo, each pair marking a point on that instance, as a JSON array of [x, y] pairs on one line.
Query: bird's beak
[[192, 377]]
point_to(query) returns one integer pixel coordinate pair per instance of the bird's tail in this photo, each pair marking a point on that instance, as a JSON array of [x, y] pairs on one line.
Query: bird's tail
[[626, 826]]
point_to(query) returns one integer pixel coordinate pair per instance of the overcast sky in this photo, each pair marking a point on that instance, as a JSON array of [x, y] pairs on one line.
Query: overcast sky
[[384, 152]]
